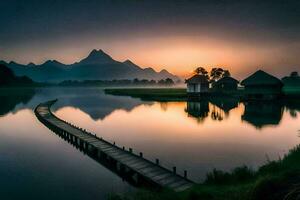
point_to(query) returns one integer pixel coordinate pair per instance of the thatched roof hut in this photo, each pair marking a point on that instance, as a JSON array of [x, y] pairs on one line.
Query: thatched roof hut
[[226, 83], [197, 84], [261, 78], [262, 85], [197, 79]]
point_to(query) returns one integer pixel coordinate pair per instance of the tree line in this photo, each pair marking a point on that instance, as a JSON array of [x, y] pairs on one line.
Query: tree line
[[214, 75], [121, 82]]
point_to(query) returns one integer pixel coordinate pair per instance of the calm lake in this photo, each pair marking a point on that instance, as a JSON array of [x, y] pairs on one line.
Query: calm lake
[[194, 136]]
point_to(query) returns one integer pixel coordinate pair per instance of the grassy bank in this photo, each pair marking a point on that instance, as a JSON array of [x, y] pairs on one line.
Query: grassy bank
[[276, 180], [151, 94]]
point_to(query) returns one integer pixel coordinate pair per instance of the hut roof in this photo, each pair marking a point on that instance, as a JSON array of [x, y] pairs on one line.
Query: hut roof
[[197, 79], [261, 78], [227, 79]]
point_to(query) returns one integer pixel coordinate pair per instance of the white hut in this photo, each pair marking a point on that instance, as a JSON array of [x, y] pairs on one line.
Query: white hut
[[197, 84]]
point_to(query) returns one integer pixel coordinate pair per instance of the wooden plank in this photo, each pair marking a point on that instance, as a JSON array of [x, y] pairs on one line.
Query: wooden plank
[[148, 169], [160, 177], [168, 180]]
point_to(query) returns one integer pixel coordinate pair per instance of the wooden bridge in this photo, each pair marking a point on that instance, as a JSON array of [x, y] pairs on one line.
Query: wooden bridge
[[139, 169]]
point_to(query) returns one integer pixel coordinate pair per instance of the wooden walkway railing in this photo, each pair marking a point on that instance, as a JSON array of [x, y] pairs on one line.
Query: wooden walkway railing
[[139, 168]]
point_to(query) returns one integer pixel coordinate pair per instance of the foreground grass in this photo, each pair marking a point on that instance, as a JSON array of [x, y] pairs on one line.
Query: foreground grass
[[154, 94], [276, 180]]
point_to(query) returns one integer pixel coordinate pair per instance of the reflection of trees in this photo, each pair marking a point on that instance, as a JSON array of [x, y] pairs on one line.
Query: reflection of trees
[[197, 109], [164, 106], [219, 110], [293, 106], [222, 106], [217, 113], [12, 97], [261, 114]]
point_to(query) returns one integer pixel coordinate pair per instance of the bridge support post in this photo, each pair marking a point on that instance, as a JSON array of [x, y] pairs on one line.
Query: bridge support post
[[99, 154], [157, 161], [118, 166], [135, 177]]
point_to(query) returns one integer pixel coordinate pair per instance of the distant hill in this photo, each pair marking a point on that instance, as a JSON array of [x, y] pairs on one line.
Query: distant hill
[[96, 66], [8, 78]]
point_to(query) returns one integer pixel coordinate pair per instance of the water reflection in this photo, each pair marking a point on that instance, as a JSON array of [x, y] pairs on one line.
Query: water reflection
[[10, 98], [225, 104], [97, 105], [92, 101], [198, 110], [293, 107], [261, 114], [194, 136], [258, 114]]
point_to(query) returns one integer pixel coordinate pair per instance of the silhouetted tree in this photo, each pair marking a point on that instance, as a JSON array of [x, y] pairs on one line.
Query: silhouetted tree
[[294, 74], [226, 73], [218, 73], [7, 77], [169, 81], [201, 71]]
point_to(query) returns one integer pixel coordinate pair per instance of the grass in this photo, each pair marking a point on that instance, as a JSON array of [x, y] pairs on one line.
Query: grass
[[162, 94], [275, 180], [152, 94]]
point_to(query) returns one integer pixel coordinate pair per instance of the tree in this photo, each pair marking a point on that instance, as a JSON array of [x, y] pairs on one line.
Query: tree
[[294, 74], [166, 81], [201, 71], [218, 73], [6, 75], [169, 81], [215, 74], [226, 73]]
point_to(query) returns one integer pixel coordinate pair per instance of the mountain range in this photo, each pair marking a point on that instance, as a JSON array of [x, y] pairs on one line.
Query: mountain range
[[96, 66]]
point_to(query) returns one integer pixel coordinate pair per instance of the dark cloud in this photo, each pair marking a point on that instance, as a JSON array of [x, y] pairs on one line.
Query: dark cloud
[[51, 21]]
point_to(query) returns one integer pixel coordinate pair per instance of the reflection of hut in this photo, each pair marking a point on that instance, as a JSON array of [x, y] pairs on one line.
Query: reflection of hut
[[293, 106], [262, 85], [261, 114], [197, 84], [198, 110], [226, 84], [226, 104]]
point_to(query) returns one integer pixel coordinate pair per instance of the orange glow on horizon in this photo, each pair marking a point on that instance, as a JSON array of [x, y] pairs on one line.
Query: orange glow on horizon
[[179, 55]]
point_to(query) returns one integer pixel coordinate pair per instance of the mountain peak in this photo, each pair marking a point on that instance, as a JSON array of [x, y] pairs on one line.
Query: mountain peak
[[55, 62], [31, 64], [128, 62], [131, 64], [163, 71], [97, 57]]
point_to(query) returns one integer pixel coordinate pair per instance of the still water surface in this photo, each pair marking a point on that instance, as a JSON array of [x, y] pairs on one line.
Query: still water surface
[[194, 136]]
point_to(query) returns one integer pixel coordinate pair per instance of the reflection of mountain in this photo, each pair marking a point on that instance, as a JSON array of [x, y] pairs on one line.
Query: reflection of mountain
[[12, 97], [98, 106], [260, 114], [92, 101], [197, 109]]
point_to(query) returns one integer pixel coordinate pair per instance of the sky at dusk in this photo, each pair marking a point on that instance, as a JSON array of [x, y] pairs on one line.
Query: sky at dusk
[[177, 35]]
